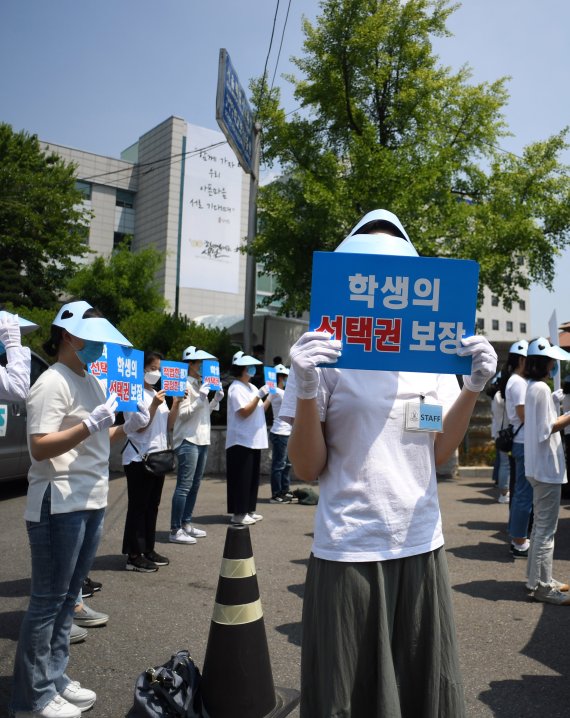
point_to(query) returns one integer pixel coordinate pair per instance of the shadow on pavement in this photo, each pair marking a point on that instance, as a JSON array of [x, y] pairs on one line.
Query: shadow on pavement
[[10, 624], [492, 590], [298, 589], [497, 552], [292, 631], [18, 587]]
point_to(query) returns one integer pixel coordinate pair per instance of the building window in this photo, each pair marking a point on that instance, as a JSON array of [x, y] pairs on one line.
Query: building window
[[84, 188], [522, 305], [119, 238], [523, 328], [494, 301], [509, 326], [125, 199], [480, 323], [496, 324]]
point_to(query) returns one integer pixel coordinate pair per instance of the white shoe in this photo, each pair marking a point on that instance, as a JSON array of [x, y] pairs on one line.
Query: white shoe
[[80, 697], [242, 519], [503, 498], [254, 516], [181, 536], [193, 531], [56, 708]]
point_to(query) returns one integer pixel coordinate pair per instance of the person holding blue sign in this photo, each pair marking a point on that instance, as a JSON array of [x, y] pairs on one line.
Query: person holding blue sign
[[378, 630], [190, 423], [279, 437], [246, 437], [70, 425], [147, 431], [15, 376]]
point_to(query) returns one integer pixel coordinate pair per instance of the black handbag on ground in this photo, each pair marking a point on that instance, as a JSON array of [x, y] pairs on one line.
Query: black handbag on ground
[[156, 462], [169, 691]]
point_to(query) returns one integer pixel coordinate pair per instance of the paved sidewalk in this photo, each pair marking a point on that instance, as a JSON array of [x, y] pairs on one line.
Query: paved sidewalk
[[514, 652]]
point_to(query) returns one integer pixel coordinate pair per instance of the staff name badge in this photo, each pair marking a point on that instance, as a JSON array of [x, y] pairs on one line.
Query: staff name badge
[[421, 416], [125, 370], [211, 374], [395, 313], [173, 376], [270, 376]]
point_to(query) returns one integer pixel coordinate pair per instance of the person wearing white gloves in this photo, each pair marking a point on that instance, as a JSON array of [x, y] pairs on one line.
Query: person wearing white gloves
[[378, 635], [190, 424], [245, 438], [545, 468], [15, 376], [70, 425]]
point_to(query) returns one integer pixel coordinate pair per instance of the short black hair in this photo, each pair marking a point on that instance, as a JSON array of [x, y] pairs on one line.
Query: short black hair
[[51, 345], [380, 225], [150, 355], [536, 367]]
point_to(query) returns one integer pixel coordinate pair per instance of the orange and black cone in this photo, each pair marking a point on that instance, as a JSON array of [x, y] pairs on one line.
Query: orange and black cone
[[237, 678]]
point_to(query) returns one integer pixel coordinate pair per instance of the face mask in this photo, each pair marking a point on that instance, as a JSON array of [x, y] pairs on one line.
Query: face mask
[[91, 351], [151, 377], [251, 370], [554, 370]]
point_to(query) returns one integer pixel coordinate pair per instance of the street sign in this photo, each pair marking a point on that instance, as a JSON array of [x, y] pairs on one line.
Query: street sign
[[234, 114]]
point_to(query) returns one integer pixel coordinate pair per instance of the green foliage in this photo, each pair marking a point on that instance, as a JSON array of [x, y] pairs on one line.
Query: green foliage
[[43, 228], [122, 284], [386, 125]]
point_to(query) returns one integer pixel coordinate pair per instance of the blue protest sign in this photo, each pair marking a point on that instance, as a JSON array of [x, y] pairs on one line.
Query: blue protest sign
[[125, 373], [211, 374], [173, 375], [395, 313], [99, 368], [270, 379]]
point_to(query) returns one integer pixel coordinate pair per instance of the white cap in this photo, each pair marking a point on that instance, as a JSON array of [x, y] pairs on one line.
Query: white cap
[[193, 354], [379, 243], [25, 326], [281, 369], [543, 348], [241, 359], [519, 347], [71, 317]]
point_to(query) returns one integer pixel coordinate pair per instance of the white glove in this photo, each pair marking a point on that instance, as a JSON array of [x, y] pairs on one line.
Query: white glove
[[205, 390], [311, 349], [102, 416], [219, 395], [10, 330], [143, 410], [558, 395], [263, 391], [484, 364]]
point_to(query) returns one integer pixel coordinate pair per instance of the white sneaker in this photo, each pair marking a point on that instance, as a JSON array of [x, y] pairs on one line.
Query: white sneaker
[[181, 536], [83, 698], [193, 531], [503, 498], [56, 708], [254, 516], [242, 519]]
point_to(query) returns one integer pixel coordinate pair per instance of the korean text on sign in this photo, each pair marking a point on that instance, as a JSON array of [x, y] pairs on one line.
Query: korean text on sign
[[211, 373], [395, 313], [173, 376], [270, 376], [125, 375]]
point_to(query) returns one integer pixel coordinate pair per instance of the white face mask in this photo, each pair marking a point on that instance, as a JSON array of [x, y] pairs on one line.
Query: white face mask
[[151, 377]]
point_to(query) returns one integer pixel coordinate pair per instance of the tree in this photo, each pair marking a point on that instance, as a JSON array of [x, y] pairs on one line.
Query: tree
[[121, 284], [386, 125], [43, 227]]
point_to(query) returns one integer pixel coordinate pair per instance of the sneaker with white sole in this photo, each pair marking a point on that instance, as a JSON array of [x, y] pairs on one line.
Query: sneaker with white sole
[[242, 519], [80, 697], [88, 618], [77, 634], [254, 516], [193, 531], [503, 498], [141, 564], [558, 585], [549, 594], [58, 707], [180, 536]]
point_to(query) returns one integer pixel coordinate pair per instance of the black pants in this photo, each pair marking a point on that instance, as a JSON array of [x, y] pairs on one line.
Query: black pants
[[144, 492], [242, 472]]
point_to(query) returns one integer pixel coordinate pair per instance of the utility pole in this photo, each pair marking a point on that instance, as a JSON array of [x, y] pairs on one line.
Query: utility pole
[[250, 267]]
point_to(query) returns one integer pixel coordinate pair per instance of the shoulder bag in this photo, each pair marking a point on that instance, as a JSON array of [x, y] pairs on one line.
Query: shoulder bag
[[156, 462]]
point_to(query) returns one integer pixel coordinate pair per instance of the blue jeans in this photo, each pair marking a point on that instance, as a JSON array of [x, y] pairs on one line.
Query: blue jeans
[[503, 470], [63, 547], [280, 464], [191, 465], [521, 502]]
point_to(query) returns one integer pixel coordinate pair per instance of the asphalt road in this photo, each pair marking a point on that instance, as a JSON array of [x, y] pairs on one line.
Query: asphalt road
[[514, 652]]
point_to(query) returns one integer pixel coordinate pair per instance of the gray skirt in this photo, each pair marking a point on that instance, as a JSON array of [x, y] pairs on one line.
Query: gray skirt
[[379, 640]]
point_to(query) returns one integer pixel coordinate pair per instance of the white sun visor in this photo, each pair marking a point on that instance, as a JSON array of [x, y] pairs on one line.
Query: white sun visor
[[71, 318], [542, 347]]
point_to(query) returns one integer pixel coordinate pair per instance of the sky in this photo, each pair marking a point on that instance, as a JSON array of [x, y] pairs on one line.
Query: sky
[[97, 75]]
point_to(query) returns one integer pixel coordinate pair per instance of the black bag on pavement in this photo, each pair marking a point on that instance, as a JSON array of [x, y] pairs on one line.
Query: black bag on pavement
[[169, 691], [505, 438]]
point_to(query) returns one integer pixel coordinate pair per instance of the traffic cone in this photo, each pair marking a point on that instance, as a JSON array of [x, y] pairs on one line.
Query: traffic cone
[[237, 679]]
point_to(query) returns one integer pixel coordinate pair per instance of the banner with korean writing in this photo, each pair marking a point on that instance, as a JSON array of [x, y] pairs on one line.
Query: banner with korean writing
[[395, 313], [173, 375], [211, 373], [270, 379], [125, 374], [99, 368]]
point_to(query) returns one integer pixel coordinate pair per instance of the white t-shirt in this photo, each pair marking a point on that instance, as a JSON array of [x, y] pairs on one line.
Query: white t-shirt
[[498, 415], [153, 438], [543, 451], [15, 377], [566, 408], [280, 427], [79, 479], [251, 431], [378, 491], [515, 393], [193, 421]]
